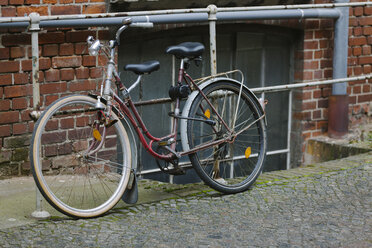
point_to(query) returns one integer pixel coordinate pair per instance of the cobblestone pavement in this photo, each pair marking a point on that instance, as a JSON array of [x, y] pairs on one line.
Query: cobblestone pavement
[[330, 209]]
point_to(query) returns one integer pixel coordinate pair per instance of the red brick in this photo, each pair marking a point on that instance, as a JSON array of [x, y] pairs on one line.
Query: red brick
[[16, 2], [19, 128], [51, 38], [6, 79], [44, 64], [32, 1], [4, 105], [5, 130], [317, 114], [25, 115], [82, 86], [357, 89], [367, 69], [365, 60], [67, 123], [1, 92], [366, 88], [81, 48], [96, 72], [358, 11], [65, 10], [67, 74], [89, 60], [325, 63], [357, 41], [26, 10], [308, 105], [52, 88], [17, 52], [365, 98], [365, 21], [65, 1], [79, 36], [8, 11], [16, 39], [82, 73], [366, 50], [9, 66], [311, 65], [19, 103], [368, 10], [50, 99], [323, 103], [324, 44], [367, 30], [326, 23], [50, 50], [318, 54], [49, 1], [358, 70], [357, 31], [4, 53], [94, 8], [16, 91], [357, 51], [3, 2], [9, 117], [66, 49], [21, 78], [63, 62], [311, 45], [52, 75]]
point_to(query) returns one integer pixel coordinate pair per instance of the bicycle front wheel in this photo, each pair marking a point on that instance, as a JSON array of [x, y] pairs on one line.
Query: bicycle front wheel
[[80, 161], [234, 165]]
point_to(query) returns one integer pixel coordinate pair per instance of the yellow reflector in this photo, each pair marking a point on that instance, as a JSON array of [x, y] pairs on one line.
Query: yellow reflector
[[247, 152], [207, 113], [96, 134]]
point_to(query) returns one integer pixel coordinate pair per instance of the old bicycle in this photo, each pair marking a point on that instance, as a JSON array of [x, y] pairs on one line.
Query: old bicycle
[[83, 149]]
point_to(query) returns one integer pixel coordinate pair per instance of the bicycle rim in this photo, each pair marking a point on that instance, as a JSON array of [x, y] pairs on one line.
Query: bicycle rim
[[77, 182], [232, 166]]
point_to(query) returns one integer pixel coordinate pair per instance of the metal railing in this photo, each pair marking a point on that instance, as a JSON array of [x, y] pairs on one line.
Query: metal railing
[[211, 14]]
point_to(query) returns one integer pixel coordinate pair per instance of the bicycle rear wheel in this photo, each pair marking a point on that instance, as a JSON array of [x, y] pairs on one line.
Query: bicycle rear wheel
[[76, 182], [232, 166]]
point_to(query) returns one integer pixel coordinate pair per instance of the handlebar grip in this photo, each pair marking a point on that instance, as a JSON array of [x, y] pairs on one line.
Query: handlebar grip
[[142, 25]]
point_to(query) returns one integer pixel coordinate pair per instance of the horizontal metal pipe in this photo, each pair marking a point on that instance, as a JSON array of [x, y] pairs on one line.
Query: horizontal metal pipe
[[278, 14], [308, 84], [182, 18]]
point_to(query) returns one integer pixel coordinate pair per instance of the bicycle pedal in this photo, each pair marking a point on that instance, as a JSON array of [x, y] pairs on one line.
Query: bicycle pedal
[[176, 171]]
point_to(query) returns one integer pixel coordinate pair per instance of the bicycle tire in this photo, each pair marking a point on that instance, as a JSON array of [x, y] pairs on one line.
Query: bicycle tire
[[230, 167], [75, 184]]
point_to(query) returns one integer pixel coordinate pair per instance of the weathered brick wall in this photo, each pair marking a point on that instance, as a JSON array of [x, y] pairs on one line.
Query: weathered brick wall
[[315, 58], [65, 68]]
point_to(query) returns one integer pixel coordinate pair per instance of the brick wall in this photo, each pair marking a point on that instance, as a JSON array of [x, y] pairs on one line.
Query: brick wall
[[314, 62], [65, 67]]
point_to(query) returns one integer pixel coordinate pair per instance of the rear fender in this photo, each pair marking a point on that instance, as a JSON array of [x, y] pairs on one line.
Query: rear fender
[[191, 99]]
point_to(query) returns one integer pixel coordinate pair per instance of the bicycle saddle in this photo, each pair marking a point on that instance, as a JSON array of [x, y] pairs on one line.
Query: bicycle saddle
[[186, 50], [146, 67]]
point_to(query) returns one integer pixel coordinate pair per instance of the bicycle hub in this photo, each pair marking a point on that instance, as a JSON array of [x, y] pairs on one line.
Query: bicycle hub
[[181, 91]]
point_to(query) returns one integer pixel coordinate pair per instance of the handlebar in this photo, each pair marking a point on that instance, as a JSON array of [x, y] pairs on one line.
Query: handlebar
[[128, 23]]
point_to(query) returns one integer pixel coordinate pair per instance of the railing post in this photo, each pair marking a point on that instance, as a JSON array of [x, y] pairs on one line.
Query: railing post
[[34, 28], [212, 37]]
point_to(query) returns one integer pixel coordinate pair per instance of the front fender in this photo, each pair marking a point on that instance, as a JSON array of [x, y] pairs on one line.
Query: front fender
[[191, 99]]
